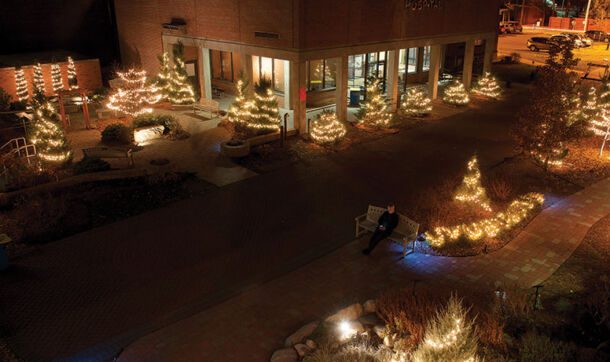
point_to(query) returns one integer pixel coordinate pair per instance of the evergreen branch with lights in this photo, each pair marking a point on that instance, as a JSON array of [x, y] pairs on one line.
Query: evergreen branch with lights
[[374, 110], [173, 82], [416, 103], [241, 108], [326, 128], [21, 85], [264, 116], [456, 94], [488, 86], [135, 96], [38, 79], [58, 84], [72, 77], [52, 146]]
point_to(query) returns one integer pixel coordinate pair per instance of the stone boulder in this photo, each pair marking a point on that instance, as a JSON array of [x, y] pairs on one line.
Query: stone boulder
[[350, 313], [311, 344], [301, 334], [370, 319], [370, 306], [302, 349], [285, 355]]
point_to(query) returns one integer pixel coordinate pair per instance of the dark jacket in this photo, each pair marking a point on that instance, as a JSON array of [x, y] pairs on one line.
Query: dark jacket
[[389, 221]]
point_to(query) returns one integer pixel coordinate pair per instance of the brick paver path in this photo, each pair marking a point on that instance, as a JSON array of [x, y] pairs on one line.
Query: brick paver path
[[250, 326]]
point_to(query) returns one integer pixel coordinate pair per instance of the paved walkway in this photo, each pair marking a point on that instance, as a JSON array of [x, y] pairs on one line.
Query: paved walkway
[[88, 296], [251, 326]]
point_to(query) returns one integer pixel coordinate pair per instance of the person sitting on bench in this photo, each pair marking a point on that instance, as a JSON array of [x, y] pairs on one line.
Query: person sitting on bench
[[385, 225]]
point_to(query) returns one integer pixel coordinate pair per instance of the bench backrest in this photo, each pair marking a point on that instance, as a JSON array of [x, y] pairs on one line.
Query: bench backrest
[[405, 225], [209, 103]]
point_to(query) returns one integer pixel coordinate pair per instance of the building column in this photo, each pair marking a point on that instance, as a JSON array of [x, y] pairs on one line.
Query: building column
[[206, 79], [435, 64], [392, 74], [287, 90], [247, 70], [490, 49], [341, 89], [468, 62], [298, 94]]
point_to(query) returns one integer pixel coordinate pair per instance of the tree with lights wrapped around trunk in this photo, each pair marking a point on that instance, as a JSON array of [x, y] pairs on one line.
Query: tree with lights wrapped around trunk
[[134, 96], [374, 110], [416, 103], [58, 84], [326, 128], [72, 78], [52, 146], [456, 94], [21, 85], [488, 86]]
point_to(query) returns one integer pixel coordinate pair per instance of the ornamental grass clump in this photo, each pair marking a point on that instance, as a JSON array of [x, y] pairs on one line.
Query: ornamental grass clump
[[327, 129]]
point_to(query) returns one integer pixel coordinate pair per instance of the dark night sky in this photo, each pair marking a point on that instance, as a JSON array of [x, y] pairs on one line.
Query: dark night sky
[[82, 26]]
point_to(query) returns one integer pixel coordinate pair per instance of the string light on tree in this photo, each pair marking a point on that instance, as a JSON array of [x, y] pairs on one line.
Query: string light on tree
[[449, 336], [374, 111], [456, 94], [265, 113], [134, 96], [471, 191], [416, 103], [21, 85], [52, 147], [575, 112], [326, 128], [72, 79], [488, 86], [240, 109], [591, 109], [162, 79], [179, 90], [601, 126], [38, 79], [58, 84]]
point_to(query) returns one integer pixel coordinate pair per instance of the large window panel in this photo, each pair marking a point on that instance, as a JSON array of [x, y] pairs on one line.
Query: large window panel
[[216, 67], [412, 60], [227, 65], [270, 69], [330, 73], [278, 75], [426, 59], [316, 74]]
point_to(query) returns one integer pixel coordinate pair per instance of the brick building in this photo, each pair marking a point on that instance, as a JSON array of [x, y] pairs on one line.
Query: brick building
[[314, 51]]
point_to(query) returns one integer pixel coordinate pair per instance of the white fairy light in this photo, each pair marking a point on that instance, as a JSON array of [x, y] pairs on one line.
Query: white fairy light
[[134, 96], [326, 128], [456, 94]]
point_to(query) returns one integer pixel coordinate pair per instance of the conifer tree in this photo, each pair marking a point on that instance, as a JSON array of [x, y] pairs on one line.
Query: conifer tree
[[326, 128], [591, 109], [416, 103], [471, 191], [58, 84], [72, 78], [488, 86], [21, 85], [456, 94], [240, 109], [180, 89], [601, 125], [449, 336], [162, 80], [134, 96], [265, 113], [52, 147], [374, 111]]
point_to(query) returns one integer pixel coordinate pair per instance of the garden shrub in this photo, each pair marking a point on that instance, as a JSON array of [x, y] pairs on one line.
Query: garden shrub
[[540, 348], [117, 133], [499, 189], [5, 100], [169, 123], [91, 164]]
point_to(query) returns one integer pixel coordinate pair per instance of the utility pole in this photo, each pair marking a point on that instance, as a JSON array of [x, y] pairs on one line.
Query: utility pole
[[522, 11], [587, 16]]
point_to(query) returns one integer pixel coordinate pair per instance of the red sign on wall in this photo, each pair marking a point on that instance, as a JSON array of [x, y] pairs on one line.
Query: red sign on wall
[[302, 94]]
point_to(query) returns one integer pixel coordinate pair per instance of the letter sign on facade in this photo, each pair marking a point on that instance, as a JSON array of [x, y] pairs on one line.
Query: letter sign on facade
[[423, 4]]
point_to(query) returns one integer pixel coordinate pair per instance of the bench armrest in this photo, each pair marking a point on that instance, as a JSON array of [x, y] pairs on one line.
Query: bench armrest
[[360, 217]]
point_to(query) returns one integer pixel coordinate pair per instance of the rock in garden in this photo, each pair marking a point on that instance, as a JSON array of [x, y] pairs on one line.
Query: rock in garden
[[350, 313], [380, 330], [302, 349], [370, 306], [357, 326], [285, 355], [302, 333], [311, 344], [370, 319]]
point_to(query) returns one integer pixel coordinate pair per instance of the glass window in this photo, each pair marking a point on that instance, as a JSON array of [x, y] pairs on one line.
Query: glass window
[[222, 65], [266, 66], [269, 68], [412, 60], [278, 75], [316, 74], [426, 61], [215, 60], [330, 73]]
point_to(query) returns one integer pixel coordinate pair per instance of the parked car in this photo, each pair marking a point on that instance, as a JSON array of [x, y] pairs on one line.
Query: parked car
[[567, 39], [539, 43], [580, 41], [597, 35], [514, 27]]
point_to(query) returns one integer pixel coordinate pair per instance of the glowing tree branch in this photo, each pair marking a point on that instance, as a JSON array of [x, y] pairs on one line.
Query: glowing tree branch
[[38, 79], [22, 86], [374, 111], [134, 96], [471, 191], [488, 86], [591, 109], [326, 128], [416, 103], [601, 125], [72, 79], [456, 94], [52, 147], [58, 84], [179, 89], [265, 113], [449, 336], [239, 112]]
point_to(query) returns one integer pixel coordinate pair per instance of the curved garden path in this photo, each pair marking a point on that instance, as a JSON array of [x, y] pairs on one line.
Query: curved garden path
[[253, 324]]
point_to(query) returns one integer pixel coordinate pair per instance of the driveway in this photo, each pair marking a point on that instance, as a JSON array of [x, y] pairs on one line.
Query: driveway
[[88, 296]]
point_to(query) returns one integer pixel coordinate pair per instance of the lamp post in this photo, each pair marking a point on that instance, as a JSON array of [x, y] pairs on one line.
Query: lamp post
[[586, 25]]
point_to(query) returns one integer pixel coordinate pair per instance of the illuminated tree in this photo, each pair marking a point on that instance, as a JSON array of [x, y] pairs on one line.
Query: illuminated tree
[[72, 79], [179, 90], [134, 96], [240, 109], [52, 147], [58, 84], [456, 94], [449, 336], [22, 85], [601, 125], [374, 111], [326, 128], [265, 113], [591, 110], [471, 191], [488, 86], [416, 103], [162, 80], [38, 78]]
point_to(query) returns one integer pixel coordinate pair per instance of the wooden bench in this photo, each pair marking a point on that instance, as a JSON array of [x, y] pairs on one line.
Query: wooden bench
[[110, 152], [206, 105], [105, 113], [405, 231]]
